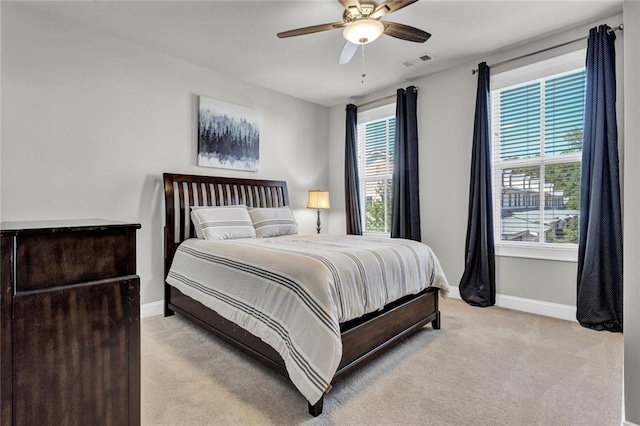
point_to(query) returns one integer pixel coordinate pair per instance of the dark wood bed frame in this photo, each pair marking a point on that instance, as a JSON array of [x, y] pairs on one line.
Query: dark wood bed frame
[[362, 339]]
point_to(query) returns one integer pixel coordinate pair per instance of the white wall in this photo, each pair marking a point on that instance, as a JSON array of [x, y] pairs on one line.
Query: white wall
[[631, 209], [446, 104], [90, 122], [0, 115], [337, 218]]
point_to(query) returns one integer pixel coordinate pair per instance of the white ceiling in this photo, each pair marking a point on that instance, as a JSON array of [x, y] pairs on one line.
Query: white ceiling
[[238, 38]]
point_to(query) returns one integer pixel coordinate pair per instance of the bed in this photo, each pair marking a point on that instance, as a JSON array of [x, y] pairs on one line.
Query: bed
[[358, 340]]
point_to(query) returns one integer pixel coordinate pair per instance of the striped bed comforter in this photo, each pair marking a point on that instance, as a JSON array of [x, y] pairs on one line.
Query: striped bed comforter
[[293, 291]]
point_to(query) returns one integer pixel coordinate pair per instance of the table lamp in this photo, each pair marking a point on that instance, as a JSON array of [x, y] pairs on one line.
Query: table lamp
[[318, 199]]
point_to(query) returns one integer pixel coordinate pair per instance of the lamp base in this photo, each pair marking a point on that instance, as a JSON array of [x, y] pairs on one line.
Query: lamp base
[[318, 222]]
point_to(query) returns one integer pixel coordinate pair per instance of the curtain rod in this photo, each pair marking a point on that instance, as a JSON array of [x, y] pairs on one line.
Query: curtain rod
[[614, 29], [380, 99]]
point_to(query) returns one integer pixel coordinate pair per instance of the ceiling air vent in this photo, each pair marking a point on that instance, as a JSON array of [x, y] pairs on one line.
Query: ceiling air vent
[[416, 61]]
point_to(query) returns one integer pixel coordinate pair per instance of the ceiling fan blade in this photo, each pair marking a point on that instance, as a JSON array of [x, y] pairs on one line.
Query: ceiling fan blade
[[311, 29], [405, 32], [348, 50], [390, 6]]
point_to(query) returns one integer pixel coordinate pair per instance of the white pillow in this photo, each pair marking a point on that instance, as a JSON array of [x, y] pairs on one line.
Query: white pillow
[[222, 222], [274, 221]]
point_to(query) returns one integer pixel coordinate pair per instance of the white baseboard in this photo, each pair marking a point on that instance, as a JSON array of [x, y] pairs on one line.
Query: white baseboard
[[549, 309], [152, 309], [539, 307]]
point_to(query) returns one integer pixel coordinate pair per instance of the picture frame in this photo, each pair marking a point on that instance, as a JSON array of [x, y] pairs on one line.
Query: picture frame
[[228, 135]]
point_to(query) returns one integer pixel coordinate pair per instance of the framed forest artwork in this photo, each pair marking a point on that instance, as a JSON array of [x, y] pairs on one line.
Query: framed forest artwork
[[228, 135]]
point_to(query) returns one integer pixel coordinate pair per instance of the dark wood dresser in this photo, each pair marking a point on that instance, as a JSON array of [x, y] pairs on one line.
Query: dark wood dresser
[[69, 323]]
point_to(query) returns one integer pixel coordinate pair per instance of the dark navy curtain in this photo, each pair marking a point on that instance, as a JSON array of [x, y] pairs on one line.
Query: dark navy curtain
[[351, 180], [477, 286], [405, 217], [599, 301]]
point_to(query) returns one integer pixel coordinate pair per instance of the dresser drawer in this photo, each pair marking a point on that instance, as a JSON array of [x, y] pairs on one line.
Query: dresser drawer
[[73, 349], [73, 257]]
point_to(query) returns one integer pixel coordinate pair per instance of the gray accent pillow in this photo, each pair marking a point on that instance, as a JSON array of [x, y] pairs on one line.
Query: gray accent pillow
[[273, 222], [222, 222]]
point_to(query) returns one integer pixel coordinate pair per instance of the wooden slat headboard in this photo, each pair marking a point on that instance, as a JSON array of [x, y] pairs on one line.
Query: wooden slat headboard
[[183, 191]]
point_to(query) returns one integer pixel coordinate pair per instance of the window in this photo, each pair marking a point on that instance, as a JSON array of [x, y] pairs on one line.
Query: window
[[537, 116], [376, 132]]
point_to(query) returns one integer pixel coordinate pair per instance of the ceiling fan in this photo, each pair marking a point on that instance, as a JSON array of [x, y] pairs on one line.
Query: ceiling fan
[[362, 25]]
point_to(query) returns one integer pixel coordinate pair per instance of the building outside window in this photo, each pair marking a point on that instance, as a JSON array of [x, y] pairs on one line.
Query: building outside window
[[376, 132], [537, 121]]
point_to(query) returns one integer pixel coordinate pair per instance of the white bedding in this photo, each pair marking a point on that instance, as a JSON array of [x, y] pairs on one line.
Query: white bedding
[[293, 291]]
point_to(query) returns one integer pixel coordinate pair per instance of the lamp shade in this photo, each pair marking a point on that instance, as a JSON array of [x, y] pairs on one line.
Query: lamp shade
[[363, 31], [318, 199]]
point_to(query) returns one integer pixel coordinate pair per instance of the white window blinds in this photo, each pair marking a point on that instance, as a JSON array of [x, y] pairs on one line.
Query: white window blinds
[[536, 143], [376, 133]]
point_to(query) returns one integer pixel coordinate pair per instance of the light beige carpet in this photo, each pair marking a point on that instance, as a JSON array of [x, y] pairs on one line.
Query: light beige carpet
[[486, 366]]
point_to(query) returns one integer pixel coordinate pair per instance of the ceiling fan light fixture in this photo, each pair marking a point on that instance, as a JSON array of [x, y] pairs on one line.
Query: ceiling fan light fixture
[[363, 31]]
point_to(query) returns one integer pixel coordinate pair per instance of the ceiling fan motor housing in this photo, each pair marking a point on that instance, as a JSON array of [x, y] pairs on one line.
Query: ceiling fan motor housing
[[353, 13]]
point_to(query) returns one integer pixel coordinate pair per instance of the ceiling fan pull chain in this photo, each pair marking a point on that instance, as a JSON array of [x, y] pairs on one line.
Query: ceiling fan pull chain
[[363, 75]]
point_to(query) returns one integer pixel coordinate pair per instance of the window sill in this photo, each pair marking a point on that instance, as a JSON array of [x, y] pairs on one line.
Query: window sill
[[557, 252]]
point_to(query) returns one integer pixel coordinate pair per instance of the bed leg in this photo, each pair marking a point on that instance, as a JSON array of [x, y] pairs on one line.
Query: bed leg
[[316, 410], [168, 312], [436, 322], [167, 295]]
